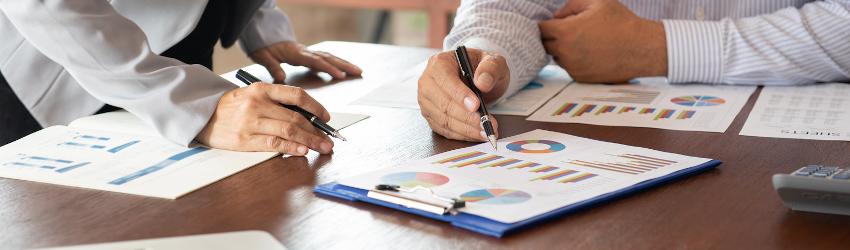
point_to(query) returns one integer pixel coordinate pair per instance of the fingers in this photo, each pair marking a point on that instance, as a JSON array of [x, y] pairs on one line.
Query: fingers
[[573, 7], [446, 84], [339, 63], [270, 143], [271, 63], [549, 29], [295, 96], [452, 121], [295, 132], [492, 75]]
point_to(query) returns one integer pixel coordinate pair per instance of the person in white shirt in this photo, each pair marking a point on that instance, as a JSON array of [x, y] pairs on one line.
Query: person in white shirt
[[770, 42], [64, 59]]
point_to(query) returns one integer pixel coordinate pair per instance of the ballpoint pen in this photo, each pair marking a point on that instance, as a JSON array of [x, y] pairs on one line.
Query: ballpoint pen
[[247, 78], [466, 75]]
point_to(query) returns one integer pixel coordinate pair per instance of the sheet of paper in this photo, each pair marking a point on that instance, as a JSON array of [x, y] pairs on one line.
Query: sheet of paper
[[256, 240], [126, 163], [342, 120], [529, 174], [652, 105], [551, 80], [400, 92], [815, 112]]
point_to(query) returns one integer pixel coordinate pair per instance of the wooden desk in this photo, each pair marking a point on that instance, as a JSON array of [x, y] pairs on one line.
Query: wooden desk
[[733, 206]]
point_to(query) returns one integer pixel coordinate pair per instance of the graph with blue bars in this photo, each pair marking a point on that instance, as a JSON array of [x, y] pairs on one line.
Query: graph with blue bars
[[159, 166], [99, 143], [45, 163]]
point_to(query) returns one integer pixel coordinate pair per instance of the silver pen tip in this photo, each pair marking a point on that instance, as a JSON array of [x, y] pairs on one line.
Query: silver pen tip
[[492, 140], [338, 136]]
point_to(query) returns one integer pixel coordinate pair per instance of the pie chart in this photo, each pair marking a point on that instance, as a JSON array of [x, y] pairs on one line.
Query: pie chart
[[698, 100], [414, 179], [535, 146], [495, 196]]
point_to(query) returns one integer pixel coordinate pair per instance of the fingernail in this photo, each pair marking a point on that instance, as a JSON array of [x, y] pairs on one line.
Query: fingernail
[[326, 147], [483, 135], [485, 82], [302, 150], [469, 103]]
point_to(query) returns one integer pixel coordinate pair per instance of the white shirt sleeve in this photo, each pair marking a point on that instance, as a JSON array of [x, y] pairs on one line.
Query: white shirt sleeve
[[110, 58], [790, 46], [268, 26], [507, 27]]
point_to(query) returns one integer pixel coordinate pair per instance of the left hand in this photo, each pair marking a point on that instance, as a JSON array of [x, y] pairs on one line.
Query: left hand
[[603, 41], [297, 54]]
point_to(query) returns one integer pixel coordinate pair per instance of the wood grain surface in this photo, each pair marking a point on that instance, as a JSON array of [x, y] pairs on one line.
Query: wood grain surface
[[733, 206]]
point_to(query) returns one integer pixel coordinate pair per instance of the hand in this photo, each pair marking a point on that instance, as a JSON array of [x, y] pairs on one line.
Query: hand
[[603, 41], [252, 119], [449, 106], [297, 54]]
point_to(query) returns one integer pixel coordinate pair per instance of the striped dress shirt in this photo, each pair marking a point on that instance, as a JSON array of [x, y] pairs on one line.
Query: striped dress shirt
[[770, 42]]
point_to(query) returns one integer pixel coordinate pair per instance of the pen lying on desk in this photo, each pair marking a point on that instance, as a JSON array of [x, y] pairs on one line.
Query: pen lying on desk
[[247, 78]]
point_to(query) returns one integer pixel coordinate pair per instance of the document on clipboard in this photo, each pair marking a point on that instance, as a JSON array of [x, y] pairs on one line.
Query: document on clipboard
[[530, 178]]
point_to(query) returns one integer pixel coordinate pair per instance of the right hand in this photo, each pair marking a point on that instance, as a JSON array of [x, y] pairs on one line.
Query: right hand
[[252, 119], [449, 106]]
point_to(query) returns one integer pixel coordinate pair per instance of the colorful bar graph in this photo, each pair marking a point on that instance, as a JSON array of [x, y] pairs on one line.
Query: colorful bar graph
[[566, 108], [647, 158], [577, 178], [502, 163], [555, 175], [460, 157], [665, 114], [159, 166], [525, 165], [626, 110], [478, 161], [72, 167], [647, 111], [544, 169], [605, 109], [82, 145], [587, 108], [688, 114], [604, 167]]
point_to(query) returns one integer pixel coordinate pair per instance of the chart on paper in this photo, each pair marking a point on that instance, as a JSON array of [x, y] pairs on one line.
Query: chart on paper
[[816, 112], [529, 174], [676, 107]]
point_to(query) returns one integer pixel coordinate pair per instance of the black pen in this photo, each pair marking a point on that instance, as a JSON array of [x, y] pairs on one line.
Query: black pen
[[247, 78], [466, 75]]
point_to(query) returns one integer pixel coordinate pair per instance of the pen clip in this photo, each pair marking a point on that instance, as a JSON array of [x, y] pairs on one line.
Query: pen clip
[[391, 194]]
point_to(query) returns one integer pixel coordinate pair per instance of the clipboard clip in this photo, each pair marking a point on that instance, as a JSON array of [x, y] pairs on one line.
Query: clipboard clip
[[390, 193]]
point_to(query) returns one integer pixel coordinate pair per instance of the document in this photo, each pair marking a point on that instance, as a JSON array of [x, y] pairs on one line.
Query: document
[[529, 174], [814, 112], [255, 240], [117, 152], [401, 92], [650, 105]]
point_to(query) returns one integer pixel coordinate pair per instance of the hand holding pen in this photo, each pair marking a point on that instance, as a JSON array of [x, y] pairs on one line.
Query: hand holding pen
[[449, 105]]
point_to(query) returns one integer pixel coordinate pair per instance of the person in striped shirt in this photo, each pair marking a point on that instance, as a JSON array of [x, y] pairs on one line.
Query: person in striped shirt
[[766, 42]]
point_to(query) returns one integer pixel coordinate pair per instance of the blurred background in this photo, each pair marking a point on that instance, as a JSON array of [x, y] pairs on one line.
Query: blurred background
[[419, 23]]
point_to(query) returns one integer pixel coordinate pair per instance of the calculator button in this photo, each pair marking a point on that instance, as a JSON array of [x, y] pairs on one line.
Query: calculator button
[[803, 173], [842, 176], [831, 169], [820, 175]]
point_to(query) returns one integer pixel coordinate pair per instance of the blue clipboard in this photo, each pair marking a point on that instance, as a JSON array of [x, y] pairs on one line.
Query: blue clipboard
[[497, 229]]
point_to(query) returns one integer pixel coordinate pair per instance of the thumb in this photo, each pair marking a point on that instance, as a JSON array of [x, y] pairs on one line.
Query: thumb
[[492, 75], [573, 7]]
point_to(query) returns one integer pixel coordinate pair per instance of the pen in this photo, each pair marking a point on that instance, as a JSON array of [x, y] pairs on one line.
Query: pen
[[466, 75], [247, 78]]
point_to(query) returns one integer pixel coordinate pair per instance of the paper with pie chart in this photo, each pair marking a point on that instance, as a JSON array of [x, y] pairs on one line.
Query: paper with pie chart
[[529, 174], [652, 105]]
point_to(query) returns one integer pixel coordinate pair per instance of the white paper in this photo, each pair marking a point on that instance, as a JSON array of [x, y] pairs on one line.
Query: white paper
[[118, 162], [401, 92], [652, 105], [255, 240], [816, 112], [568, 169], [551, 80]]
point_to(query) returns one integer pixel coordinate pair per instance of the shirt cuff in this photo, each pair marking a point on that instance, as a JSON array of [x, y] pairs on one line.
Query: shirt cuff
[[487, 45], [694, 51], [268, 26]]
